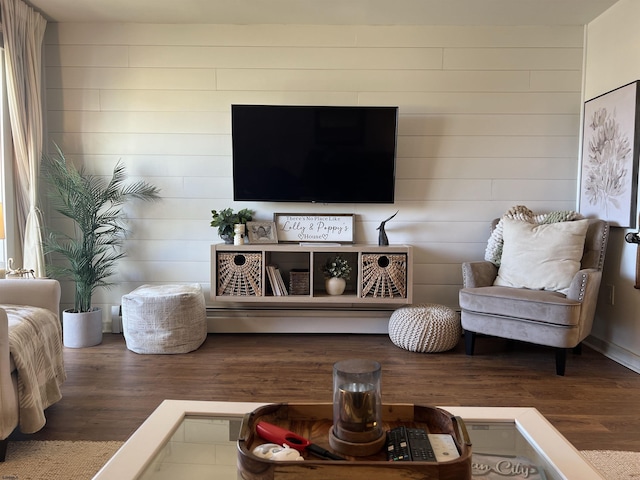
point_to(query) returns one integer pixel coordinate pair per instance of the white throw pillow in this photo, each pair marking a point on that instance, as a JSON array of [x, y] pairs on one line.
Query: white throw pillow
[[541, 257]]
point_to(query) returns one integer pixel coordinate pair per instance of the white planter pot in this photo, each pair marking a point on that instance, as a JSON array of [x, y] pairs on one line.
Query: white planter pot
[[335, 286], [81, 330]]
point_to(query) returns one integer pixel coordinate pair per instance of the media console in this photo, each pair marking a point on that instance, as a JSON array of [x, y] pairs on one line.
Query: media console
[[381, 275]]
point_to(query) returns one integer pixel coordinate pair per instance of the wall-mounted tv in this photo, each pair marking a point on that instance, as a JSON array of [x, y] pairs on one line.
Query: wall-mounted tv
[[324, 154]]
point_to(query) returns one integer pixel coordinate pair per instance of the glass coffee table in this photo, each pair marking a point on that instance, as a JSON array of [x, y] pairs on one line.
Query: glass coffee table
[[197, 440]]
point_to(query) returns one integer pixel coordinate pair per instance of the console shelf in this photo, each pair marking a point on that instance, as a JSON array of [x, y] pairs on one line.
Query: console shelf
[[379, 276]]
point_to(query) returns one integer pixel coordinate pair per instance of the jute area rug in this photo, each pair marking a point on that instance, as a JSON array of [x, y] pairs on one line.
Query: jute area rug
[[53, 460]]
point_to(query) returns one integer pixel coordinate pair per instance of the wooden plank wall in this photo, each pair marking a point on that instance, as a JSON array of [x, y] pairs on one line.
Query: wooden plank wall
[[489, 119]]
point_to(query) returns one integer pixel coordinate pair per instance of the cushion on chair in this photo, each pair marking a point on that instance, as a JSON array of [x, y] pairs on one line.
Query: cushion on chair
[[541, 257], [534, 305], [425, 328], [164, 318]]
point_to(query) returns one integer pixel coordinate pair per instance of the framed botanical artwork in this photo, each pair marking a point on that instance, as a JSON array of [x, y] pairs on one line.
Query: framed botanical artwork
[[610, 150], [262, 232]]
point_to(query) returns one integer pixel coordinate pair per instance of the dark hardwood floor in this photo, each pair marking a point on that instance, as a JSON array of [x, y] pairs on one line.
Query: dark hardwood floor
[[110, 390]]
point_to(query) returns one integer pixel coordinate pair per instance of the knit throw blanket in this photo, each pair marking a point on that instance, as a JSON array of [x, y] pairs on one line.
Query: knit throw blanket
[[35, 343], [493, 253]]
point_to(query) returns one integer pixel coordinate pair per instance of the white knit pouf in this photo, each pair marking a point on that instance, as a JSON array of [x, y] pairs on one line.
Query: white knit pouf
[[425, 328], [164, 318]]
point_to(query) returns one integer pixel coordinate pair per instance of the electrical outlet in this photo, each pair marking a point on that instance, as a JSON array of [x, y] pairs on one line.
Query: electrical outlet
[[611, 294]]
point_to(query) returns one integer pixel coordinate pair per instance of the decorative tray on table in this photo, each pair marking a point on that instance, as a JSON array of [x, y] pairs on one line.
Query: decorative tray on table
[[314, 421]]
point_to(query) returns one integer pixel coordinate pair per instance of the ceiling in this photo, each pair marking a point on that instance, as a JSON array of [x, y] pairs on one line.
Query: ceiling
[[327, 12]]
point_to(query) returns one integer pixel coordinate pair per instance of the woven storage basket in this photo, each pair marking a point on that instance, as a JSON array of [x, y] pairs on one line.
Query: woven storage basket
[[425, 328], [299, 282], [240, 274], [384, 275], [164, 318]]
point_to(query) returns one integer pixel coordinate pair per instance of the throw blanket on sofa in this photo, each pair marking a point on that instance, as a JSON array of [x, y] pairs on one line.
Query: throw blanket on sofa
[[36, 348], [493, 253]]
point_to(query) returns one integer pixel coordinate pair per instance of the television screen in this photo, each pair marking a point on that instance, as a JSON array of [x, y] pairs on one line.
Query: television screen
[[324, 154]]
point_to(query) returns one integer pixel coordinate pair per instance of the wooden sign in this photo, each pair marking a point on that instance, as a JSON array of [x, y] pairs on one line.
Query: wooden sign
[[312, 228]]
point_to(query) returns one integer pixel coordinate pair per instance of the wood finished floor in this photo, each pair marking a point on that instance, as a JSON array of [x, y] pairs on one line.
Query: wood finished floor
[[110, 390]]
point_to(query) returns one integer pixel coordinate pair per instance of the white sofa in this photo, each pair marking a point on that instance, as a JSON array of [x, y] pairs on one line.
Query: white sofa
[[27, 306]]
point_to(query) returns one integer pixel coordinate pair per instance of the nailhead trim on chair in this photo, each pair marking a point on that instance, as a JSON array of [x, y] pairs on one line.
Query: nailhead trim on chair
[[603, 242], [583, 286], [425, 328]]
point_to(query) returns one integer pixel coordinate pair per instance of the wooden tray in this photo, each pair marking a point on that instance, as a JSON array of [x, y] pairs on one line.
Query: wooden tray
[[313, 421]]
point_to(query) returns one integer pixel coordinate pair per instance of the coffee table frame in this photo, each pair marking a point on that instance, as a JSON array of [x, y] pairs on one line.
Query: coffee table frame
[[140, 449]]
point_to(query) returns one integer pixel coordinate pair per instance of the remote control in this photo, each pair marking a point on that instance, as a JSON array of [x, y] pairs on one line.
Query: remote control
[[409, 444], [444, 447]]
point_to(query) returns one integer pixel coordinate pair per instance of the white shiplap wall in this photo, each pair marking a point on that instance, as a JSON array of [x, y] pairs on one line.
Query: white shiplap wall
[[489, 118]]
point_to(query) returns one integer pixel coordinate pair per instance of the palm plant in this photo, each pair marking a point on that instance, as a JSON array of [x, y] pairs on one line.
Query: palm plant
[[95, 206]]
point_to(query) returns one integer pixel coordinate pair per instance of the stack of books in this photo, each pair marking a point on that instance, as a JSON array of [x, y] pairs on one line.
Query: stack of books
[[275, 279]]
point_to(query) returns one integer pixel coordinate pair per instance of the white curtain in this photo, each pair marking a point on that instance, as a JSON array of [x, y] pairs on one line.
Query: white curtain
[[23, 33]]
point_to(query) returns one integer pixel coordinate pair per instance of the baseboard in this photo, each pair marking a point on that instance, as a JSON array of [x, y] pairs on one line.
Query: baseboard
[[616, 353], [298, 321], [254, 320]]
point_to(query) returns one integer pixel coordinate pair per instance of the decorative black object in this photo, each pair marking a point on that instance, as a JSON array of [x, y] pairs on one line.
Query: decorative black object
[[382, 236], [632, 237]]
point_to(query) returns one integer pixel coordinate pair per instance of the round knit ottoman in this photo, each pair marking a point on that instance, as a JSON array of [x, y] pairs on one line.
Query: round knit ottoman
[[164, 318], [425, 328]]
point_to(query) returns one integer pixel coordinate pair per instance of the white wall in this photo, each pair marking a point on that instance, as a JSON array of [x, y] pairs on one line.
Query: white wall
[[613, 60], [489, 119]]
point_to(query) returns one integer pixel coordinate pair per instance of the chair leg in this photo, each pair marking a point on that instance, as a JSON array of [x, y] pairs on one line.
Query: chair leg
[[577, 350], [469, 342], [3, 449], [561, 361]]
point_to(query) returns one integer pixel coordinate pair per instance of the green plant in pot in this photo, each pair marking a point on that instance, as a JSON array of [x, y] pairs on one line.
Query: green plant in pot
[[95, 205], [336, 272], [226, 219]]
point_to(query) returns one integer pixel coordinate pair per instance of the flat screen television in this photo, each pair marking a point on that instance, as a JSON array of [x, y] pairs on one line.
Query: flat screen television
[[323, 154]]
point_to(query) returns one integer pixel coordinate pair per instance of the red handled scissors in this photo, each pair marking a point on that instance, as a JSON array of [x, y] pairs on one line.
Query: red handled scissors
[[279, 435]]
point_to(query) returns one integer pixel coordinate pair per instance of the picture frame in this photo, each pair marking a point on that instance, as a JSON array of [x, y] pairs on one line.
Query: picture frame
[[315, 228], [610, 152], [262, 232]]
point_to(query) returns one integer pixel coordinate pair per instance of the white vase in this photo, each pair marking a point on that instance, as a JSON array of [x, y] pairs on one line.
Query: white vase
[[335, 285], [81, 330]]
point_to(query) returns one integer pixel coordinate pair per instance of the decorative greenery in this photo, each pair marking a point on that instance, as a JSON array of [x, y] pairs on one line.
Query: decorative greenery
[[337, 267], [96, 208], [226, 219]]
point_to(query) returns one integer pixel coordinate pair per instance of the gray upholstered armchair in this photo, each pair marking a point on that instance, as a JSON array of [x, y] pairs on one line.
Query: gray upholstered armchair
[[560, 319]]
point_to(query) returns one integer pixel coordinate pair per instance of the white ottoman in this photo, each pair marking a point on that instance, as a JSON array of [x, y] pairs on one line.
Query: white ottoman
[[164, 318], [425, 328]]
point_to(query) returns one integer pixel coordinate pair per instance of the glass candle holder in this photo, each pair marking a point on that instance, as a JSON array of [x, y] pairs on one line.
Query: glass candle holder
[[357, 405]]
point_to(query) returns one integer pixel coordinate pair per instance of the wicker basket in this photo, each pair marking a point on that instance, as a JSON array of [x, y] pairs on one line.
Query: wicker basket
[[384, 275], [240, 274], [299, 282]]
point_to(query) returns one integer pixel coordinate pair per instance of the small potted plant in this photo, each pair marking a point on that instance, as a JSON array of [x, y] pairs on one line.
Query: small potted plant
[[336, 273], [226, 219]]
